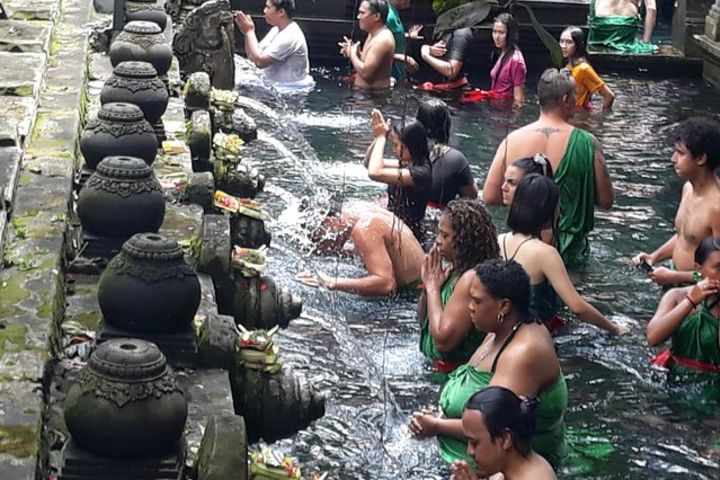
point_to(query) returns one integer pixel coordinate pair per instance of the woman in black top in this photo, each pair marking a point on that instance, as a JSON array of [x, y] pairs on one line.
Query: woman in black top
[[409, 178]]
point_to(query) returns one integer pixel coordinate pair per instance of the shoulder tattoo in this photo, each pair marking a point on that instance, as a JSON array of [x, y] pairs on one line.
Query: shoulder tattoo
[[547, 131]]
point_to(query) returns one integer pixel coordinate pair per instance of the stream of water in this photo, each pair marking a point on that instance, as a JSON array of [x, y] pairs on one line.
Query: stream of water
[[365, 351]]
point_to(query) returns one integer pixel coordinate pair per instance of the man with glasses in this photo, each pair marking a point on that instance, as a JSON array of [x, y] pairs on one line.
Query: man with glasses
[[576, 157], [282, 54], [373, 63]]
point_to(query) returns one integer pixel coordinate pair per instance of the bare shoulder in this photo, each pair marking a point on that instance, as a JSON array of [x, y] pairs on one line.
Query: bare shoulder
[[533, 351]]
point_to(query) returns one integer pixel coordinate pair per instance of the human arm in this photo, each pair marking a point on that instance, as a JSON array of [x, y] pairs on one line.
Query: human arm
[[469, 191], [378, 169], [388, 162], [432, 55], [252, 46], [409, 62], [370, 66], [650, 18], [448, 326], [492, 190], [427, 424], [422, 308], [518, 95], [663, 252], [608, 96], [604, 194]]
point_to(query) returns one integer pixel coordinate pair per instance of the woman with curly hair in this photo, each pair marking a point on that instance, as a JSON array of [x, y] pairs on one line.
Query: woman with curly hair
[[466, 237]]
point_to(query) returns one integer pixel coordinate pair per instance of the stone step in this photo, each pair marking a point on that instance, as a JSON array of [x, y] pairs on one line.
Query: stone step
[[24, 37], [32, 9], [22, 73]]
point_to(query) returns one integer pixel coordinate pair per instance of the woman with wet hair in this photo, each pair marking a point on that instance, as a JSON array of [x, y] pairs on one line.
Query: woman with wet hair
[[408, 176], [538, 164], [689, 317], [587, 81], [466, 236], [517, 354], [507, 76], [499, 427], [533, 210]]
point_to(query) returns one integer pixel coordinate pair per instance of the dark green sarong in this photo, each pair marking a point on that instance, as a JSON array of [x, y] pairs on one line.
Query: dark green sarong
[[616, 33]]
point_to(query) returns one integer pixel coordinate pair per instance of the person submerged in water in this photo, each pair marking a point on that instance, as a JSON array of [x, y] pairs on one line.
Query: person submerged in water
[[576, 158], [614, 24], [448, 57], [507, 76], [499, 427], [587, 81], [389, 250], [514, 173], [689, 317], [695, 159], [373, 63]]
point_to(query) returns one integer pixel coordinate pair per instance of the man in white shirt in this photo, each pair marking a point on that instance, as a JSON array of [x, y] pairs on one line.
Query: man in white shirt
[[282, 54]]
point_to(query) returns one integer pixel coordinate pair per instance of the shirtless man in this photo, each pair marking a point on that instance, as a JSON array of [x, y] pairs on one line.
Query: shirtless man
[[391, 253], [695, 159], [611, 20], [575, 155], [373, 64]]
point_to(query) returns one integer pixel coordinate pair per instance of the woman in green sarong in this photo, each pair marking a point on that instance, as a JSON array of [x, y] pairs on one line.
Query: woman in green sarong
[[619, 32], [689, 317], [517, 354], [466, 236]]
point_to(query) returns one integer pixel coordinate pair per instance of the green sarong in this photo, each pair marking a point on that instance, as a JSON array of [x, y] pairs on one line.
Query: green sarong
[[398, 30], [616, 33], [576, 178], [549, 437]]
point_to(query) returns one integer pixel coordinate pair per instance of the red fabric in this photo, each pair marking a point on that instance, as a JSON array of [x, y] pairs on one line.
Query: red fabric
[[666, 358], [554, 323], [476, 95], [442, 87], [446, 367]]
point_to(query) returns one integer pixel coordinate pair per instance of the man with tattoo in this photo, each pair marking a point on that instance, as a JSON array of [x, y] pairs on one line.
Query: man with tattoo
[[575, 155]]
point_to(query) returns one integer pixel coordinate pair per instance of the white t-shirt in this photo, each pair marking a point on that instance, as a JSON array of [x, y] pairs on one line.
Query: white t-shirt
[[289, 49]]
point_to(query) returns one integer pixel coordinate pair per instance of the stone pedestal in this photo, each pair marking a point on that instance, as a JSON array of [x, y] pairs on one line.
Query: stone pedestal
[[79, 464], [688, 21], [95, 246], [709, 45]]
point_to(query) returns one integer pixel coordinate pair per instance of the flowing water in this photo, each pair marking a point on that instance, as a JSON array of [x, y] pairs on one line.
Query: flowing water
[[365, 351]]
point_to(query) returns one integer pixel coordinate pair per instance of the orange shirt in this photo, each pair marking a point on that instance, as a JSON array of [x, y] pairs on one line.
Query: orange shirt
[[587, 82]]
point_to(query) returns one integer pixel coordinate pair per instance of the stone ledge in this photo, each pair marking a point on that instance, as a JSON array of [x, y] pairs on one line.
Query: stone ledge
[[22, 73], [25, 37], [32, 9]]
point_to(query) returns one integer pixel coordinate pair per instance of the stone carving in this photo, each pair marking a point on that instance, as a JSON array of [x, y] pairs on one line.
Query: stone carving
[[199, 139], [137, 83], [197, 93], [259, 303], [144, 42], [146, 10], [248, 232], [205, 43], [179, 9]]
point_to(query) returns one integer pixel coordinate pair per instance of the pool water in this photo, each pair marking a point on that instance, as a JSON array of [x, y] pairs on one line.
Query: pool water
[[624, 421]]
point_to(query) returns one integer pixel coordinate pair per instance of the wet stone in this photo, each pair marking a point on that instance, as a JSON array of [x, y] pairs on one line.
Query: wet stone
[[31, 9], [18, 116], [223, 452], [22, 73], [9, 171], [24, 37]]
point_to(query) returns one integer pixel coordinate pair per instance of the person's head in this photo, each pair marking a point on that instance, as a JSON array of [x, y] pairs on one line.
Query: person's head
[[556, 91], [535, 205], [500, 290], [505, 32], [434, 114], [328, 225], [697, 146], [572, 43], [372, 14], [466, 234], [497, 422], [278, 11], [707, 258], [539, 164], [410, 144]]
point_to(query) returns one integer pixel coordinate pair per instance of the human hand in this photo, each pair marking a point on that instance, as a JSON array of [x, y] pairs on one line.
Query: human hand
[[439, 49], [244, 22], [432, 273], [703, 290], [662, 276], [621, 329], [640, 258], [347, 46], [424, 424], [411, 65], [380, 126], [462, 471], [414, 32], [309, 279]]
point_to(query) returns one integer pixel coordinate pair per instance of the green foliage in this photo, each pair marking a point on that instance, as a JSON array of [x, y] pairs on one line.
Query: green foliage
[[550, 42], [441, 6], [462, 16]]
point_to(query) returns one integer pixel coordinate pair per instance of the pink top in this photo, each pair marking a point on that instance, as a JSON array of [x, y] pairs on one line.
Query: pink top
[[512, 74]]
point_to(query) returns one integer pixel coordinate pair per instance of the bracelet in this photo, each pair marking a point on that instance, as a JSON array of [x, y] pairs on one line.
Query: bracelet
[[687, 297]]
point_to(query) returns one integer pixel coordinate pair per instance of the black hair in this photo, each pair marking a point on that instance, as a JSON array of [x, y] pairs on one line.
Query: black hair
[[554, 84], [379, 6], [534, 205], [287, 5], [700, 135], [507, 279], [578, 38], [706, 247], [434, 114], [511, 41], [539, 164], [503, 411], [415, 138]]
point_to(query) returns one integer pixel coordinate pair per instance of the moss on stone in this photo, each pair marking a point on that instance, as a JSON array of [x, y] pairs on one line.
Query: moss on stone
[[20, 441], [12, 292], [89, 320], [13, 338]]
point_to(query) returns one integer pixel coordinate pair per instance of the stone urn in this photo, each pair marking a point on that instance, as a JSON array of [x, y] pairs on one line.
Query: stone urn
[[118, 129], [149, 287], [147, 10], [121, 198], [126, 403], [142, 41], [137, 83], [259, 303], [248, 232]]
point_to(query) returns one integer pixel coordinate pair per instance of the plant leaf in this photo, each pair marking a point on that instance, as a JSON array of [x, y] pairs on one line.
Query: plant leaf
[[546, 38], [463, 16]]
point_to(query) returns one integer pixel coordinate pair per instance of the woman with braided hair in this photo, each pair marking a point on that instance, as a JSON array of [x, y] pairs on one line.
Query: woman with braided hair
[[466, 236]]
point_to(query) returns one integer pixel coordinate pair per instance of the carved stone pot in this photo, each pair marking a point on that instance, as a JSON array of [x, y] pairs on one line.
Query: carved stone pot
[[126, 403], [149, 287], [118, 129], [258, 302], [248, 232], [144, 42], [137, 83], [121, 198], [147, 10]]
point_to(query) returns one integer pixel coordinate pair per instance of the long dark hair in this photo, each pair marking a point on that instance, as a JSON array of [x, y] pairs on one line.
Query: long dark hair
[[507, 279], [503, 411], [578, 38], [414, 136], [534, 205], [706, 247], [511, 41], [434, 114], [539, 164]]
